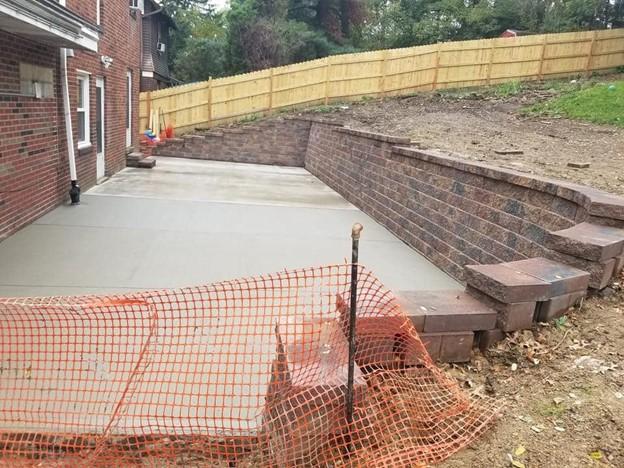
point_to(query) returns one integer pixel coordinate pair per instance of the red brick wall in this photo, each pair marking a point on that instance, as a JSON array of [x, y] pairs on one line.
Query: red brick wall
[[34, 173], [31, 166], [120, 39], [455, 213], [277, 141]]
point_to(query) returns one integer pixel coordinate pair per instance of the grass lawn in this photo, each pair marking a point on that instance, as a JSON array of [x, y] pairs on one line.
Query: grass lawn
[[602, 103]]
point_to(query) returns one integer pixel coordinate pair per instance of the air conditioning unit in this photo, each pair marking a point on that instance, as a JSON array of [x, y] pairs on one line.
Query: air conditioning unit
[[161, 47]]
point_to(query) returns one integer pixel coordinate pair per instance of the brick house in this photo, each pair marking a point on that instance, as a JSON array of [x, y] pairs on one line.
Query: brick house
[[100, 42], [155, 52]]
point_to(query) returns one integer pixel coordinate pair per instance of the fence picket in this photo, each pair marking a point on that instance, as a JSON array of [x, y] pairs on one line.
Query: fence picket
[[379, 73]]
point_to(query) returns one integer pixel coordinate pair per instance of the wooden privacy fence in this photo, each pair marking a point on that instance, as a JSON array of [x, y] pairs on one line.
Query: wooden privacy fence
[[384, 73]]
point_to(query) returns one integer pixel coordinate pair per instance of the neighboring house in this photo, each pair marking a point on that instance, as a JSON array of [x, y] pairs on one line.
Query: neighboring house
[[514, 33], [156, 41], [100, 43]]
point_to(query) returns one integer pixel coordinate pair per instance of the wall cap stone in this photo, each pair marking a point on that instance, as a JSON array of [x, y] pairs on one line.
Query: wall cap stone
[[314, 120], [596, 202], [376, 136]]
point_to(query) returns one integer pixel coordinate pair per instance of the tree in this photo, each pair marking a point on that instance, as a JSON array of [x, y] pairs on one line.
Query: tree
[[617, 14], [201, 59], [262, 33], [256, 34], [175, 7], [198, 44]]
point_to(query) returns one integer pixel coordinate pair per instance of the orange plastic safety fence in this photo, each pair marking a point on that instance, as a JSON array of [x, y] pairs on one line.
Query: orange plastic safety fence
[[249, 372]]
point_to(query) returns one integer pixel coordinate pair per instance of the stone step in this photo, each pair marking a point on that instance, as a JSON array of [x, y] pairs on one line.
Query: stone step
[[563, 279], [511, 317], [557, 306], [446, 311], [505, 284], [532, 280], [135, 155], [588, 241], [449, 347], [146, 163]]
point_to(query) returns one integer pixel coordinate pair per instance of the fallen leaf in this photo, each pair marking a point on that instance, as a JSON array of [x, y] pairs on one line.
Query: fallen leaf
[[518, 464], [519, 451], [537, 429], [596, 455], [558, 400]]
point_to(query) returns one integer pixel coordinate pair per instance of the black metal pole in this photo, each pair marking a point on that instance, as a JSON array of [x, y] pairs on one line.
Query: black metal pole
[[355, 245]]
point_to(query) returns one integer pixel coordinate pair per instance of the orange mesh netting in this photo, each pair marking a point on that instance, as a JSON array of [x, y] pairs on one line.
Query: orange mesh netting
[[247, 372]]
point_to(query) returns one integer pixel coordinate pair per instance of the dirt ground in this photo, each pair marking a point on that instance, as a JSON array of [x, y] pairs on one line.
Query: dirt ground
[[477, 123], [562, 383], [564, 403]]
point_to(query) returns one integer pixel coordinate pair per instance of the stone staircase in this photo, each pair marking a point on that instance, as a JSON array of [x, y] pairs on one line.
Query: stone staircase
[[138, 159], [498, 299], [277, 141]]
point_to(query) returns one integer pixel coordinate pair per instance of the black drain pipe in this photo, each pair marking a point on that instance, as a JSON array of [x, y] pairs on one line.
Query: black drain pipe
[[355, 247]]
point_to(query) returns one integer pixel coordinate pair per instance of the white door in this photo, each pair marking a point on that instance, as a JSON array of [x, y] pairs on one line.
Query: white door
[[100, 162], [129, 109]]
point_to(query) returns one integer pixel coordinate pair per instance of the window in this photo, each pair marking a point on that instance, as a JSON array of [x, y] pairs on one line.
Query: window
[[84, 133], [36, 81], [98, 12], [138, 5]]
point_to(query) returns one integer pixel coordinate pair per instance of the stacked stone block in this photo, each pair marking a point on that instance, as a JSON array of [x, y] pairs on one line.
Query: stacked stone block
[[281, 142]]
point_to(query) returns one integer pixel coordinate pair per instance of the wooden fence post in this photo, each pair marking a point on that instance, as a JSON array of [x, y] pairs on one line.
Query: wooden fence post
[[209, 101], [271, 89], [542, 56], [437, 68], [327, 75], [382, 81], [489, 71], [590, 56]]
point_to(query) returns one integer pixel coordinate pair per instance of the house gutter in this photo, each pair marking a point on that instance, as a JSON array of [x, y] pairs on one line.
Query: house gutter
[[153, 12], [74, 191]]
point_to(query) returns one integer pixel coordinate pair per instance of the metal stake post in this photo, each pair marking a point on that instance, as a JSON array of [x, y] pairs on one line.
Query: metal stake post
[[355, 236]]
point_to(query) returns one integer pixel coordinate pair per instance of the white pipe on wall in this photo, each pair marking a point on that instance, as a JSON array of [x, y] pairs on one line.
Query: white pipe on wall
[[69, 134]]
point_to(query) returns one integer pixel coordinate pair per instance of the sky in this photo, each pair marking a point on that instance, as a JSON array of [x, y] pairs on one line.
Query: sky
[[220, 3]]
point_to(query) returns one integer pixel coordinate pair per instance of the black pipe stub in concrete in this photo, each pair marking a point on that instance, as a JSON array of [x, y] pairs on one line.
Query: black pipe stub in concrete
[[74, 192]]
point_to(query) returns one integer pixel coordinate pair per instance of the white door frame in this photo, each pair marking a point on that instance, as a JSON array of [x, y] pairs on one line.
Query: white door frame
[[100, 161], [129, 104]]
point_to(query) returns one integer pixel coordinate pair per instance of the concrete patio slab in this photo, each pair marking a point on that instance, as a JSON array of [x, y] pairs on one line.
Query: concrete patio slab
[[196, 222]]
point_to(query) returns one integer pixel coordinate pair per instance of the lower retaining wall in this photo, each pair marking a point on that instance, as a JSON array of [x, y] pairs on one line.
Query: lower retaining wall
[[281, 142]]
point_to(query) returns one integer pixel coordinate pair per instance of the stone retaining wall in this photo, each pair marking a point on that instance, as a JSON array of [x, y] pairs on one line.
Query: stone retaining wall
[[280, 142], [458, 212], [528, 248]]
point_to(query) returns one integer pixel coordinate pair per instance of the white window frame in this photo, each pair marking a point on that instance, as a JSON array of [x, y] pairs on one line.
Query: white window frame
[[98, 12], [84, 77], [137, 5]]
